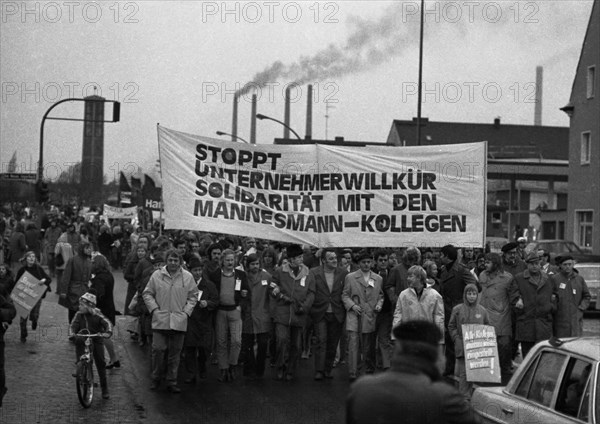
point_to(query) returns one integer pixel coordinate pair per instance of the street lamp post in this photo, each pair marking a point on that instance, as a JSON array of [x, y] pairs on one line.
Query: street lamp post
[[261, 117], [420, 75], [231, 135], [116, 117]]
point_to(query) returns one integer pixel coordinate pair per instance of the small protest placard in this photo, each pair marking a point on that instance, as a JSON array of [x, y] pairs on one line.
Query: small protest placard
[[481, 353], [27, 292]]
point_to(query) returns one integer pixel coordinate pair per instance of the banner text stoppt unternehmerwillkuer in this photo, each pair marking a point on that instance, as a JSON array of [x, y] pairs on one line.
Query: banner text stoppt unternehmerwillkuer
[[325, 195]]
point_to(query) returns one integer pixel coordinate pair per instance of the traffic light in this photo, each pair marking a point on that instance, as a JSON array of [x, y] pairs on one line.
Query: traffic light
[[42, 191], [116, 111]]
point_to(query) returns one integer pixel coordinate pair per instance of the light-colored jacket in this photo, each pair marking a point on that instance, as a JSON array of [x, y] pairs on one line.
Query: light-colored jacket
[[170, 299], [64, 248], [495, 297], [370, 297], [429, 307]]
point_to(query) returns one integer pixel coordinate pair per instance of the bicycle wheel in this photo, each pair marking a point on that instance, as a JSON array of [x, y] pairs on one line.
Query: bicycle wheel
[[85, 383]]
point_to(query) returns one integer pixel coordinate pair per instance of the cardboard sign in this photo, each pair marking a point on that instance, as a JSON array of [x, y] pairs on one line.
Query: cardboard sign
[[481, 353], [27, 293]]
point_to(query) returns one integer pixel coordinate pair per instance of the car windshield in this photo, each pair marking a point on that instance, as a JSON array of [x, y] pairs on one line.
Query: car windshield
[[589, 273]]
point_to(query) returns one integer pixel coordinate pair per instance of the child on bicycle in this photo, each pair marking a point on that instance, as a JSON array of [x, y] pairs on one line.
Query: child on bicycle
[[89, 320]]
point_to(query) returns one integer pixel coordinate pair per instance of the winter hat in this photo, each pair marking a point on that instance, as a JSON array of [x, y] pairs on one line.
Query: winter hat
[[194, 262], [363, 254], [89, 297], [419, 337], [294, 250]]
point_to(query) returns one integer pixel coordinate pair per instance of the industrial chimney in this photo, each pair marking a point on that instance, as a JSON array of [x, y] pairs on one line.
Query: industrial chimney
[[235, 118], [539, 80], [253, 121], [286, 116], [309, 100]]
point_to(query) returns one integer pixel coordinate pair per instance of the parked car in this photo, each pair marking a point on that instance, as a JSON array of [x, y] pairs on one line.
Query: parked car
[[558, 247], [557, 382], [591, 274]]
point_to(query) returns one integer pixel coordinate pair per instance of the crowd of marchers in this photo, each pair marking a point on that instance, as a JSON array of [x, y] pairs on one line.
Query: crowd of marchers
[[248, 305]]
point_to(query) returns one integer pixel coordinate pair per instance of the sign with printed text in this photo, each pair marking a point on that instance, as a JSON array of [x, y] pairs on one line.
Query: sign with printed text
[[112, 212], [325, 195], [481, 353], [27, 292]]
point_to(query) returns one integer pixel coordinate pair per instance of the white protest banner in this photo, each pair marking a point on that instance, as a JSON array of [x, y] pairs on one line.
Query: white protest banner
[[112, 212], [481, 353], [27, 292], [324, 195]]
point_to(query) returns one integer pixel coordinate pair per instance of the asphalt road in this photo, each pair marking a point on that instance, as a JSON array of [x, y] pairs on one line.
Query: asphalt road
[[41, 389]]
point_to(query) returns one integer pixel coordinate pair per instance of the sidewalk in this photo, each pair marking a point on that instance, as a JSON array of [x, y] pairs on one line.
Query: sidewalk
[[40, 386]]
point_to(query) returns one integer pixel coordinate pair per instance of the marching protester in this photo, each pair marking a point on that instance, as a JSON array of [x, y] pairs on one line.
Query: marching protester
[[534, 297], [198, 338], [412, 391], [454, 277], [32, 266], [7, 314], [62, 253], [327, 311], [573, 298], [170, 296], [497, 285], [363, 299], [75, 279], [468, 312], [7, 280], [232, 286], [103, 284], [295, 297], [91, 319], [256, 325]]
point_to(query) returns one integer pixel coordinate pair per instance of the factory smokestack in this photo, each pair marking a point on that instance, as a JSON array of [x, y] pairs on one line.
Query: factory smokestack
[[234, 123], [286, 116], [539, 81], [253, 121], [309, 100]]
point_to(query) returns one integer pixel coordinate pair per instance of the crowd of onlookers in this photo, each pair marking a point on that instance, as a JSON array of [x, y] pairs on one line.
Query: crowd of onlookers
[[248, 304]]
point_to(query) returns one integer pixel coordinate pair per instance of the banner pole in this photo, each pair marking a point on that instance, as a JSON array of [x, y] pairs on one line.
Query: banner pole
[[160, 224]]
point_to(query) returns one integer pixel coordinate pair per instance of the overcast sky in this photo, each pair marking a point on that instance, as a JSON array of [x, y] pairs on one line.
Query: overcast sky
[[179, 63]]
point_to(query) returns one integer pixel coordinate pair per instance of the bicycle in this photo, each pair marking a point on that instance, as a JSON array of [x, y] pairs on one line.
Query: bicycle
[[84, 375]]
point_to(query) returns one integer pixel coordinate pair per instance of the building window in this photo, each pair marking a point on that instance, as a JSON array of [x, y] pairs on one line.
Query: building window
[[591, 81], [586, 146], [584, 225]]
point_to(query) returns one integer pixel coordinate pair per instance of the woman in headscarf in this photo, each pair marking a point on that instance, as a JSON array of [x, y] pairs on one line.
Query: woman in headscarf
[[76, 279], [103, 282], [64, 251], [31, 265]]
